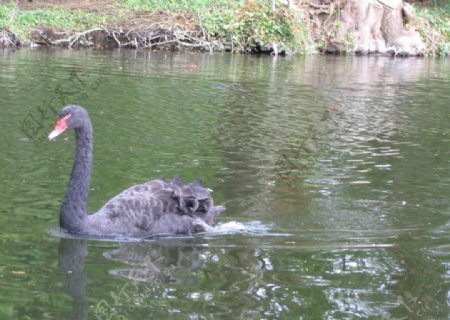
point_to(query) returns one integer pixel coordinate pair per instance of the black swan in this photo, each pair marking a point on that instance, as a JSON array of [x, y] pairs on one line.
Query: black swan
[[157, 207]]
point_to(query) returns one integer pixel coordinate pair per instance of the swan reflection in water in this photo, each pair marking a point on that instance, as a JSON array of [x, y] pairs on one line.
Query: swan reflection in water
[[173, 263], [71, 254], [208, 275], [158, 264], [149, 268], [166, 261]]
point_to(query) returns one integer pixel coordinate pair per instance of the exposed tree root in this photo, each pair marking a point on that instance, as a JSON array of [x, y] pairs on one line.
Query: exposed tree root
[[148, 38], [154, 31], [9, 39]]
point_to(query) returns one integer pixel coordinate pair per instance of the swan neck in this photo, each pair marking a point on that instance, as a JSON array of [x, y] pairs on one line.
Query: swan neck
[[74, 207]]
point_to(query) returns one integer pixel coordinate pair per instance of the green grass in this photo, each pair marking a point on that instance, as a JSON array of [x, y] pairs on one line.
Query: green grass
[[5, 13], [437, 3], [241, 24], [24, 21], [180, 5], [434, 19]]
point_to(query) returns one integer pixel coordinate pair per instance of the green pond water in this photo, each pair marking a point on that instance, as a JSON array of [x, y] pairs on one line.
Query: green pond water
[[335, 172]]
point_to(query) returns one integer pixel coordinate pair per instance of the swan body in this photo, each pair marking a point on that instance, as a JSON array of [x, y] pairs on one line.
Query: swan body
[[156, 207]]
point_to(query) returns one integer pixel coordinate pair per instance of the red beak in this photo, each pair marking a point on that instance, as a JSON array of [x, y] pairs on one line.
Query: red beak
[[60, 127]]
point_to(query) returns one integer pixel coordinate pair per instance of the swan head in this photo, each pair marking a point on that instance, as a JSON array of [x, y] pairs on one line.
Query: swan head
[[70, 117]]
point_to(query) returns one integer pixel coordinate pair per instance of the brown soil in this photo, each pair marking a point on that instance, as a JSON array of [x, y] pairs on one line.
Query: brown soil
[[88, 5]]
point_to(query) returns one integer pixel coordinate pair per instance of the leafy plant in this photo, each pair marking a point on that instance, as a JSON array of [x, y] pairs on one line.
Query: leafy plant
[[433, 24], [254, 25], [5, 15]]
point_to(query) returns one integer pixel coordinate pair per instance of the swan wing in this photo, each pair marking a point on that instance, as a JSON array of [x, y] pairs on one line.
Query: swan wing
[[159, 206]]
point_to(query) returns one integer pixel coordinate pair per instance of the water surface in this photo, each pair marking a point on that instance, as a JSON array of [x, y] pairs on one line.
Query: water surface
[[337, 168]]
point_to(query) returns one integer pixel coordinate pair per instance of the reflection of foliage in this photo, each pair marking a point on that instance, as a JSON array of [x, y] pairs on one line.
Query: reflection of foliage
[[293, 164]]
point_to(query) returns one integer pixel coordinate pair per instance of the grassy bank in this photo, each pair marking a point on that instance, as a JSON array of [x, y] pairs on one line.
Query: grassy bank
[[22, 22], [236, 25], [433, 23]]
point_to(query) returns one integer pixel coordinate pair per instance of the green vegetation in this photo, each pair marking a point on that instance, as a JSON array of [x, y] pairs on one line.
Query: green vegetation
[[433, 23], [254, 25], [437, 3], [22, 22], [238, 25], [234, 25], [181, 5]]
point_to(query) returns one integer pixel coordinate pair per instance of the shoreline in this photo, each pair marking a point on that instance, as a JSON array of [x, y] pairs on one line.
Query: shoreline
[[252, 28]]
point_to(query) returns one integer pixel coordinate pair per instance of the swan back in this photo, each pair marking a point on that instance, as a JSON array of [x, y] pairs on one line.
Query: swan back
[[156, 207]]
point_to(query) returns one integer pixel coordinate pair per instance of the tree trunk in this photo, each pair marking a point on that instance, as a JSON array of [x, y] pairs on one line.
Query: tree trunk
[[373, 26]]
